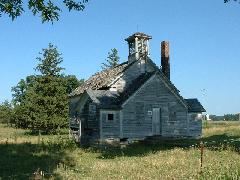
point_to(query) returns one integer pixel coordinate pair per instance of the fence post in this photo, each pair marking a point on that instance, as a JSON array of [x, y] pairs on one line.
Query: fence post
[[201, 151]]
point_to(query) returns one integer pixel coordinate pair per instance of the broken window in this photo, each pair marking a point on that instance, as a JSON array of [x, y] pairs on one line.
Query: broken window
[[110, 117]]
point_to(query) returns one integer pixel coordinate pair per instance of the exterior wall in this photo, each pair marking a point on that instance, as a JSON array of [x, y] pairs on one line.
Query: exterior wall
[[135, 120], [130, 74], [109, 129], [83, 109], [73, 102], [137, 117], [195, 124], [90, 118]]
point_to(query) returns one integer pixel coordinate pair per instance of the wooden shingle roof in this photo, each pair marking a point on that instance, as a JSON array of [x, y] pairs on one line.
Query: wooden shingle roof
[[107, 99], [97, 86], [101, 80]]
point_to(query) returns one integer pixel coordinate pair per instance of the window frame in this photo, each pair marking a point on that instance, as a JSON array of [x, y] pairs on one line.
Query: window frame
[[104, 115], [113, 117]]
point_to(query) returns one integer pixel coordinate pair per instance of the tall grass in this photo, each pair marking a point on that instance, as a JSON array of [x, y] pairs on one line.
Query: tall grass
[[60, 158]]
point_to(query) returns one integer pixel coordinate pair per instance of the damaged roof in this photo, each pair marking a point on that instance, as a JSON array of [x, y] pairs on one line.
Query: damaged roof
[[100, 82], [194, 105], [107, 99], [102, 79]]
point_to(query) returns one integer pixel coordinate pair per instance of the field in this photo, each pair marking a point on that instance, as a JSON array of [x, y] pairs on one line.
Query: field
[[22, 154]]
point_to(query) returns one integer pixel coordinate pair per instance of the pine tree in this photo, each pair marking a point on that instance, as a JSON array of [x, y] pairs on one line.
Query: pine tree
[[112, 59], [45, 104], [41, 101], [48, 99]]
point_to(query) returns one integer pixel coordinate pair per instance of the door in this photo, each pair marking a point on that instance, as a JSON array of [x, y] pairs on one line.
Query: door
[[156, 121]]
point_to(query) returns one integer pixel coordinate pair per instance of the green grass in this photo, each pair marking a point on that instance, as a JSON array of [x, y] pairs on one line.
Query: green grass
[[21, 154]]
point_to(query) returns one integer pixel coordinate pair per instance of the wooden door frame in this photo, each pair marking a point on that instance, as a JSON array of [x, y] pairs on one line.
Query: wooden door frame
[[160, 121]]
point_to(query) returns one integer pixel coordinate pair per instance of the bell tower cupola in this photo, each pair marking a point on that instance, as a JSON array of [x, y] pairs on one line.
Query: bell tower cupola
[[138, 44]]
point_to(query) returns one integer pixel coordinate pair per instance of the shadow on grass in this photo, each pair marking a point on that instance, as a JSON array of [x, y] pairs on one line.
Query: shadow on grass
[[142, 148], [222, 141], [39, 132], [20, 161]]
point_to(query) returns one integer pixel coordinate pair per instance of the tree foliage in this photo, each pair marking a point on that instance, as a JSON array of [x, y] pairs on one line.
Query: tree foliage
[[231, 117], [41, 101], [71, 82], [49, 62], [19, 91], [112, 59], [6, 112], [225, 1], [47, 9], [225, 117]]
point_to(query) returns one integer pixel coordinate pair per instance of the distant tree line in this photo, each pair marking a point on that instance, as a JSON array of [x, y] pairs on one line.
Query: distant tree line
[[225, 117]]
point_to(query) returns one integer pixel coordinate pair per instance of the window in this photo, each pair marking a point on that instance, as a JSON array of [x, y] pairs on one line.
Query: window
[[172, 116], [110, 117]]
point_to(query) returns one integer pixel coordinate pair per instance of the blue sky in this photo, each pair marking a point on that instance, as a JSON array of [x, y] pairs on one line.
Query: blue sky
[[204, 44]]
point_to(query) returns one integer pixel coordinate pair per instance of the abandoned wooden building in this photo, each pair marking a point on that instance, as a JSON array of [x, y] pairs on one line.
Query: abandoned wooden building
[[134, 100]]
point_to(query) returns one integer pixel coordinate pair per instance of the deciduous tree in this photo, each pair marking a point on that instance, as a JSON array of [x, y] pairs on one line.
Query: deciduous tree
[[19, 91], [225, 1], [6, 112], [47, 9], [71, 82]]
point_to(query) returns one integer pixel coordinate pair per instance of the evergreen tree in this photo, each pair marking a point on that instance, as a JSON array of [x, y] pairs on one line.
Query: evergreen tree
[[23, 94], [48, 99], [112, 59], [47, 104], [49, 62], [43, 103]]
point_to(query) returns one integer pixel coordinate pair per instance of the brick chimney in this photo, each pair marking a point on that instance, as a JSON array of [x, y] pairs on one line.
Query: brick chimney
[[165, 58]]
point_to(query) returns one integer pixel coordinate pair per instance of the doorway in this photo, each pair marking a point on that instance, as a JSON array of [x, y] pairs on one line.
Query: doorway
[[156, 121]]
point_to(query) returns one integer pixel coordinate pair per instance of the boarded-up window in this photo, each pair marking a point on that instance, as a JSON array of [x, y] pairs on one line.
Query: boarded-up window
[[139, 110], [91, 112], [92, 108], [172, 116]]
